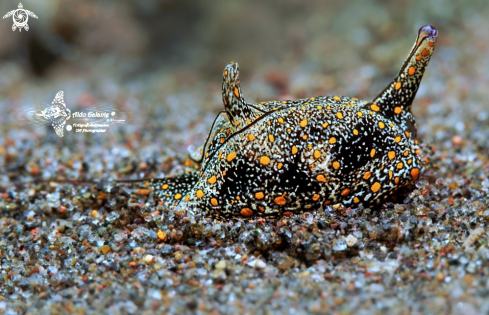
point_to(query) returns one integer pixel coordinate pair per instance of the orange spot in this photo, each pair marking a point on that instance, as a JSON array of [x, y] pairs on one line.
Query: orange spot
[[271, 138], [165, 186], [321, 178], [304, 137], [332, 140], [400, 165], [406, 153], [431, 44], [355, 99], [390, 174], [236, 91], [372, 153], [375, 187], [315, 197], [417, 151], [391, 155], [279, 166], [398, 85], [411, 70], [408, 134], [375, 108], [287, 213], [356, 200], [264, 160], [415, 173], [251, 137], [281, 120], [220, 155], [425, 52], [178, 196], [339, 115], [398, 110], [410, 161], [259, 195], [231, 156], [319, 107], [418, 57], [381, 125], [261, 208], [223, 173], [367, 175], [325, 125], [187, 198], [212, 180], [294, 149], [345, 192], [336, 165], [317, 154], [246, 212], [337, 98], [397, 139], [355, 132], [396, 180], [222, 140], [199, 193], [303, 123], [280, 200], [214, 202], [327, 202], [360, 114], [225, 72]]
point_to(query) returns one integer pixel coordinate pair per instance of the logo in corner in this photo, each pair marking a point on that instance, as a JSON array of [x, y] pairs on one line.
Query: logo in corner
[[20, 18], [57, 114]]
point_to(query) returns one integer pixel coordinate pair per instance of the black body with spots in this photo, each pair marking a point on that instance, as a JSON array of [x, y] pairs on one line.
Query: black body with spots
[[285, 157]]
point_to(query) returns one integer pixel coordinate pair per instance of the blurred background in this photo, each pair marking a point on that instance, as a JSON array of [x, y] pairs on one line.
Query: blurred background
[[163, 60]]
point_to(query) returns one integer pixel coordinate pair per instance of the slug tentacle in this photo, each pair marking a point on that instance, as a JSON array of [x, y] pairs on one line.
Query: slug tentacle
[[395, 101], [240, 113]]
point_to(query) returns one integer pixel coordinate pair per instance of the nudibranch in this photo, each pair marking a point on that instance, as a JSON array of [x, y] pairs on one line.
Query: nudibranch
[[285, 157]]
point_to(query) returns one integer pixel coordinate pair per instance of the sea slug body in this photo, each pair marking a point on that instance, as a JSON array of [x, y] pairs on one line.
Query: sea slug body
[[285, 157]]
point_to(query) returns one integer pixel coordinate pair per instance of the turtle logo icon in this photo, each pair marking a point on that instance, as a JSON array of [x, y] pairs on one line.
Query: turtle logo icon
[[20, 17]]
